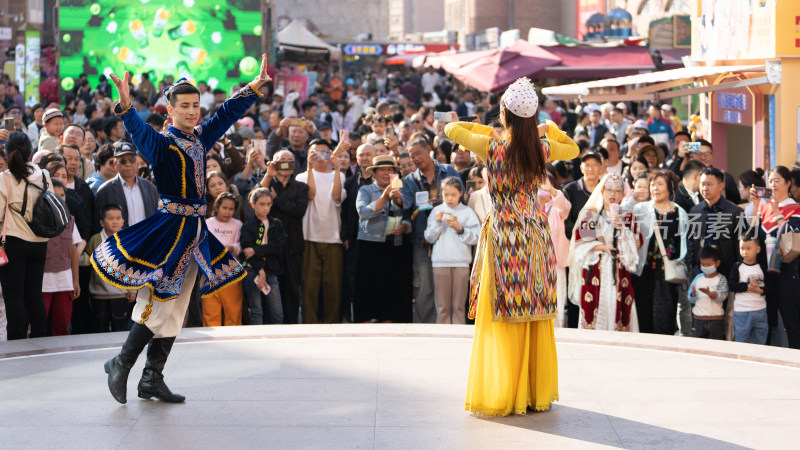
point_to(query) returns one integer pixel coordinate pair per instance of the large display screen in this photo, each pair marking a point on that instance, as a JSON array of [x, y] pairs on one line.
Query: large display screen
[[214, 41]]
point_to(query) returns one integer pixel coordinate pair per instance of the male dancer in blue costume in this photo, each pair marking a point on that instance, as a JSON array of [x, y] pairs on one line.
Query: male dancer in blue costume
[[164, 253]]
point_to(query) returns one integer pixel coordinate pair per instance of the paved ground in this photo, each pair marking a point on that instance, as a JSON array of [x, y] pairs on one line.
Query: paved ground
[[397, 386]]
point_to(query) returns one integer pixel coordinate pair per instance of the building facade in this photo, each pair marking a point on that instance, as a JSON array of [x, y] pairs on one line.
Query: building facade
[[414, 16], [471, 16], [344, 21]]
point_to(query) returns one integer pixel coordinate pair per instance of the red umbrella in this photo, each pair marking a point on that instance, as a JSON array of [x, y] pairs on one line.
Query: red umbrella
[[498, 70]]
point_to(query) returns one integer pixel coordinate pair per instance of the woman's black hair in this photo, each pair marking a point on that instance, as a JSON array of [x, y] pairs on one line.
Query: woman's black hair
[[785, 173], [752, 178], [19, 149], [524, 151], [795, 177]]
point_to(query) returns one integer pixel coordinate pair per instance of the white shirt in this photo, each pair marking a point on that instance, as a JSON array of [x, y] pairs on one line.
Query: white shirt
[[430, 81], [750, 301], [207, 100], [323, 219], [61, 281], [135, 202], [615, 169], [705, 306]]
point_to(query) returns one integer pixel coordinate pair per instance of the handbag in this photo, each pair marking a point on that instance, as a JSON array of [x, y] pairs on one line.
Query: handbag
[[789, 244], [3, 256], [674, 270]]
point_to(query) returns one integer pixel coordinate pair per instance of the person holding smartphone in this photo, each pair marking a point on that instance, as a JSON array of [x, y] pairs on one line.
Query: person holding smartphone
[[289, 205]]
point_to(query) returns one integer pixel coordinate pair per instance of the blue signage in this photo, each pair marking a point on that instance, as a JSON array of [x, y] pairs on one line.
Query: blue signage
[[367, 49]]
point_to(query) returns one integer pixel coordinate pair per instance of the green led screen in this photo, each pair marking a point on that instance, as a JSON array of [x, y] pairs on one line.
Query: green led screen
[[216, 41]]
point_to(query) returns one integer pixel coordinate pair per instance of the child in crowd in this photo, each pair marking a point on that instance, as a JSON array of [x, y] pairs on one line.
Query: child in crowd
[[227, 229], [707, 292], [453, 228], [640, 193], [112, 306], [263, 242], [479, 199], [60, 282], [556, 207], [750, 302]]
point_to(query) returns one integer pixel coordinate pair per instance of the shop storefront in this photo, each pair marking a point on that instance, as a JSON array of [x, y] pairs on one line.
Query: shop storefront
[[748, 112]]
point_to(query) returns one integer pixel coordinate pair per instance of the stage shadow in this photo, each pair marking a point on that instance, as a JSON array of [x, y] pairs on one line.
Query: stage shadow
[[603, 429]]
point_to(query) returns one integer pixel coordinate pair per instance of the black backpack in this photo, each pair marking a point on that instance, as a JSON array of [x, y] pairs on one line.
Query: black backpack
[[50, 213]]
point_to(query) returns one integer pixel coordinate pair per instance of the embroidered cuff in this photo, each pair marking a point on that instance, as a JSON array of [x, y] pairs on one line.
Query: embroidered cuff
[[260, 95], [118, 109]]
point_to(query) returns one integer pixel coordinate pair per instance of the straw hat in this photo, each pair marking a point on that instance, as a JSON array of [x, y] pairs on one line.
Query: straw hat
[[381, 161]]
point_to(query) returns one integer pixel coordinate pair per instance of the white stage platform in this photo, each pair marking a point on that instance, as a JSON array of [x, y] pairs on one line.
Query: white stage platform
[[396, 386]]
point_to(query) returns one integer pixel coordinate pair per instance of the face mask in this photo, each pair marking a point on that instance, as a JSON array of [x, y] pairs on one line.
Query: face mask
[[708, 270]]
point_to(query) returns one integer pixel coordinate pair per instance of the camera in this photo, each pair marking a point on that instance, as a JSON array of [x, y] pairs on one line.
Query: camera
[[764, 193], [286, 165]]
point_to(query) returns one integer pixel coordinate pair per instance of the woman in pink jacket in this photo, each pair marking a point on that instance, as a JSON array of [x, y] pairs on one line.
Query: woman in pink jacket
[[556, 208]]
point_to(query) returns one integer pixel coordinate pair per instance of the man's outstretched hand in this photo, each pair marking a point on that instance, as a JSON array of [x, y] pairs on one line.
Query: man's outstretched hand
[[262, 76], [124, 89]]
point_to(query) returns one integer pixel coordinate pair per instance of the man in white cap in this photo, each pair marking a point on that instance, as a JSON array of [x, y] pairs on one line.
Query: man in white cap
[[53, 127], [277, 99]]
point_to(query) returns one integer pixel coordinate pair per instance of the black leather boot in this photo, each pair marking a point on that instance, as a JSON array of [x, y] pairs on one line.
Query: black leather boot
[[152, 382], [119, 366]]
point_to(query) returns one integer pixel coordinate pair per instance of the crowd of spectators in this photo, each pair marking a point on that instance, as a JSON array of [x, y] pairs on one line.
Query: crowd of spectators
[[353, 206]]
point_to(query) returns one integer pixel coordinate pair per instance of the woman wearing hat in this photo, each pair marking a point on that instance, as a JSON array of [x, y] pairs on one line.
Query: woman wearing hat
[[384, 254], [513, 297]]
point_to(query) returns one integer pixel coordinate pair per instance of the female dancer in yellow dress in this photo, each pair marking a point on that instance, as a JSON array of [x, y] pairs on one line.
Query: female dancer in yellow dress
[[513, 295]]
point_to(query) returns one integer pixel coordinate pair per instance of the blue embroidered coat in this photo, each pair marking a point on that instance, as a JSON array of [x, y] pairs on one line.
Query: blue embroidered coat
[[156, 251]]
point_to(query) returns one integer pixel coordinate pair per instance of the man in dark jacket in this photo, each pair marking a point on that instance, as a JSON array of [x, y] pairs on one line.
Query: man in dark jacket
[[290, 201], [714, 221], [597, 128], [364, 155], [137, 196], [688, 193]]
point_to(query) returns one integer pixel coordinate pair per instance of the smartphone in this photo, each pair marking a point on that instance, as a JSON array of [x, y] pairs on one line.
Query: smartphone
[[442, 116], [448, 217], [297, 122], [471, 185], [692, 147], [325, 156], [467, 118], [764, 193], [260, 144], [344, 134], [8, 124], [390, 131], [286, 165]]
